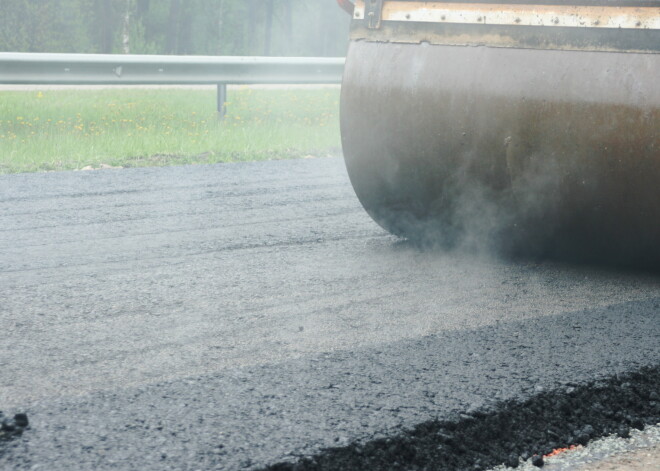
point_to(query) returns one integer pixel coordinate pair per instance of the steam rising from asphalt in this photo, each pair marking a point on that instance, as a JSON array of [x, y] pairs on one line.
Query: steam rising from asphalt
[[543, 211]]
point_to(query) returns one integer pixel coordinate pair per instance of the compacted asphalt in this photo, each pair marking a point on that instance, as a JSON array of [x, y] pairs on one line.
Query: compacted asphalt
[[251, 316]]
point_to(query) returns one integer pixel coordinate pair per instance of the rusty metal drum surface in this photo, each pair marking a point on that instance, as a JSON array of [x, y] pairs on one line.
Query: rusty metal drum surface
[[504, 144]]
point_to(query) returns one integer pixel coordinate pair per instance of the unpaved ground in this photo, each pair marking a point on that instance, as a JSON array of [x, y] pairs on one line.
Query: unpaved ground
[[638, 452], [639, 460]]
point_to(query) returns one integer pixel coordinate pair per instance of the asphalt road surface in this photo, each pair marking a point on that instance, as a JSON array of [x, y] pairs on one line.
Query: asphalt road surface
[[237, 316]]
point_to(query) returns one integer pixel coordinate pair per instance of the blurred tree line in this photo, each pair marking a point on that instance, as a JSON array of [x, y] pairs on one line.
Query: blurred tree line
[[208, 27]]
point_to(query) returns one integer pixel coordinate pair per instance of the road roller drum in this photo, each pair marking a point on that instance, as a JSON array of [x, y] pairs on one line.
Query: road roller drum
[[528, 129]]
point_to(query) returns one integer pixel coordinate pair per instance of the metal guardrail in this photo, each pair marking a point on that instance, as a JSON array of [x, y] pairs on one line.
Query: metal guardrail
[[116, 69]]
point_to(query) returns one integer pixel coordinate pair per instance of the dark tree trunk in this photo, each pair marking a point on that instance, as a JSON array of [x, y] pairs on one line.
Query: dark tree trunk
[[287, 25], [106, 26], [268, 36], [252, 17], [220, 31], [173, 27], [185, 31]]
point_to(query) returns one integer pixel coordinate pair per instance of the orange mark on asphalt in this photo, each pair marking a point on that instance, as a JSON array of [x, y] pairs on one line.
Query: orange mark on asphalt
[[558, 451]]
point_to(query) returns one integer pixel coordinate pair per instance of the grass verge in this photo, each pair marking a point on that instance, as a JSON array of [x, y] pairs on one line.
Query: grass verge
[[73, 129]]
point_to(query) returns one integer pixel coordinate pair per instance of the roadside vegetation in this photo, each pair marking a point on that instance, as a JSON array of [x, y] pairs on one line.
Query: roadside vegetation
[[76, 129]]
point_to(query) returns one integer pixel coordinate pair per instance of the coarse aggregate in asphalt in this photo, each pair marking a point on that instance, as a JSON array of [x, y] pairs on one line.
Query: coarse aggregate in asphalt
[[509, 432], [248, 316]]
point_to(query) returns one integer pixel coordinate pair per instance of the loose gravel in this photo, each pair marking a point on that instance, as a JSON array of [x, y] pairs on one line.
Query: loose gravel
[[610, 453]]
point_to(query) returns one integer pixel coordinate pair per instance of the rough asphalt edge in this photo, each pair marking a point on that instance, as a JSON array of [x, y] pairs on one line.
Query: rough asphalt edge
[[497, 357], [509, 431], [605, 453]]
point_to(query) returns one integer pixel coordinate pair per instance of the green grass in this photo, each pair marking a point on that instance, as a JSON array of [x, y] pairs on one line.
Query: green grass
[[64, 130]]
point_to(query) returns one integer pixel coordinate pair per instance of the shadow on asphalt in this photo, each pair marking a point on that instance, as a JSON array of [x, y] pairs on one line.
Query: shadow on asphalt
[[509, 432]]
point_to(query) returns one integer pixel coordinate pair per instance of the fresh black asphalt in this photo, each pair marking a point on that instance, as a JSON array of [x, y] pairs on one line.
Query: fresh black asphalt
[[242, 316]]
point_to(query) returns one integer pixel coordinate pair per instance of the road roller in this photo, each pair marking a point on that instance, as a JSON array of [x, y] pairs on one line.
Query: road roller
[[527, 128]]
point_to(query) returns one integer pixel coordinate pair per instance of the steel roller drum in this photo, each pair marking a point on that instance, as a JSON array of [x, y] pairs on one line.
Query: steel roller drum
[[527, 129]]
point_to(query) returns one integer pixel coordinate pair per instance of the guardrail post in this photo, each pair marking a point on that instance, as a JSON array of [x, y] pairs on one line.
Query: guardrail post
[[222, 100]]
